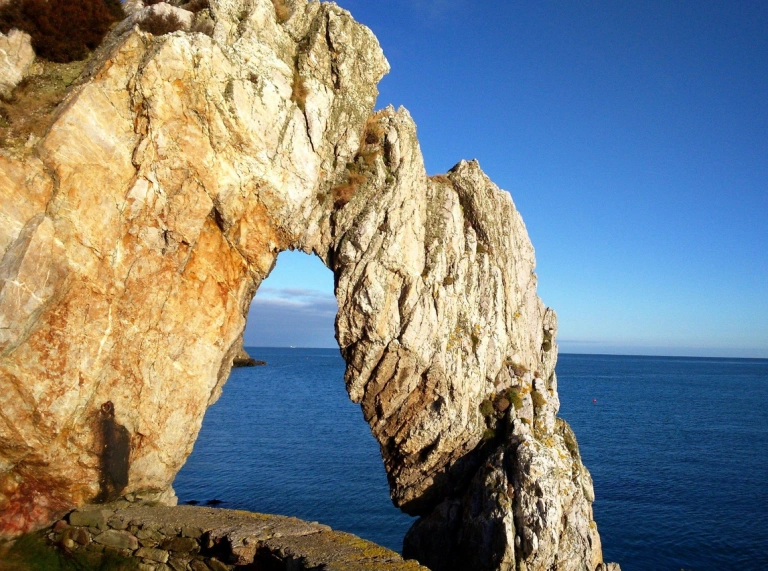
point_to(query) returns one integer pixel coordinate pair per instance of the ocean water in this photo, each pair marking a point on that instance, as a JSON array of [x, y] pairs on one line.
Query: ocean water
[[678, 450], [285, 439], [677, 447]]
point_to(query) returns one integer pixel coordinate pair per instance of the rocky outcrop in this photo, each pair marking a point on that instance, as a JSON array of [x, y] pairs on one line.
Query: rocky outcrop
[[172, 177], [132, 6], [207, 539], [512, 508], [16, 57], [243, 359]]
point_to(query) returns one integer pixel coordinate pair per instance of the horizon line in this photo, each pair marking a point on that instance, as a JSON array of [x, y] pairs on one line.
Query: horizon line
[[559, 353]]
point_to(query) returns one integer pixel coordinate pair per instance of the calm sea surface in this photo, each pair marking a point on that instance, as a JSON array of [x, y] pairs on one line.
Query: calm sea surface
[[677, 447]]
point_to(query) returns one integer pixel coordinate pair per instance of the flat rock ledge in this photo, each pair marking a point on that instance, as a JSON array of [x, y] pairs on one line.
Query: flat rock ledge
[[189, 538]]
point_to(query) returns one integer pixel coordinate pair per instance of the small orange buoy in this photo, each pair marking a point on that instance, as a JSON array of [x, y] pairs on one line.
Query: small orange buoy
[[594, 400]]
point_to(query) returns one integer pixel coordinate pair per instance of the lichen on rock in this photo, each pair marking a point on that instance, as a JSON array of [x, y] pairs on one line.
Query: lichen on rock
[[176, 170]]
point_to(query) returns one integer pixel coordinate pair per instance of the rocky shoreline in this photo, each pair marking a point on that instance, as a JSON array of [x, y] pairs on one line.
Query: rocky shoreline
[[190, 538]]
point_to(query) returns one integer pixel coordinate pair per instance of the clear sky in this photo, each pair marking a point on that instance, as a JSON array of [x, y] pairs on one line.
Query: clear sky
[[633, 137]]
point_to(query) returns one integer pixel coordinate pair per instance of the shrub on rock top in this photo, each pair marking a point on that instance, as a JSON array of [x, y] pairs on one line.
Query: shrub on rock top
[[159, 24], [62, 30]]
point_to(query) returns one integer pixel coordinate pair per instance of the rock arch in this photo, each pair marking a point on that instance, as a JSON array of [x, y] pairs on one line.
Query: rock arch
[[173, 175]]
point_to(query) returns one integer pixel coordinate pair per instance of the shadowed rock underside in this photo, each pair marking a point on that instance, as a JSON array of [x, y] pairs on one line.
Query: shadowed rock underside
[[176, 170]]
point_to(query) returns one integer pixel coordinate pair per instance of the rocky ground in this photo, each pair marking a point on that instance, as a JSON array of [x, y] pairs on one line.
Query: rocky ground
[[188, 538]]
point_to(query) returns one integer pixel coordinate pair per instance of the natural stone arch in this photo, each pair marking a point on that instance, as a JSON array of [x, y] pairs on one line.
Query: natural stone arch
[[172, 177]]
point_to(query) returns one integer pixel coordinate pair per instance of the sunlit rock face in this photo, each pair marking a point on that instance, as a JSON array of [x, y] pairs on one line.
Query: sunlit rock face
[[174, 174]]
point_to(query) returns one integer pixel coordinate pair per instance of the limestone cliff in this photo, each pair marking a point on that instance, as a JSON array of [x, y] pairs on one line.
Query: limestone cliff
[[173, 175]]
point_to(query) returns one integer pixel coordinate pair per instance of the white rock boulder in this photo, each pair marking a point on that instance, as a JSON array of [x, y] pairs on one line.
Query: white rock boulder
[[16, 57]]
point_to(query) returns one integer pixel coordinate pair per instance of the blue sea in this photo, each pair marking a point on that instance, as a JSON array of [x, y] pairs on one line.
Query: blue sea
[[677, 447]]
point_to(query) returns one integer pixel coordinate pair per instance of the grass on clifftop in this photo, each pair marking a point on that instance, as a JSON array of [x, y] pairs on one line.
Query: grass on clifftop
[[30, 109], [30, 552]]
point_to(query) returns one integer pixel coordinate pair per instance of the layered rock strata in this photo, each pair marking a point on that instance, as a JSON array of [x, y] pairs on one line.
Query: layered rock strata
[[175, 172], [206, 539]]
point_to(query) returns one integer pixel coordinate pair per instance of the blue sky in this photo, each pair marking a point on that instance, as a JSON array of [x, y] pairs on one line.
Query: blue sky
[[633, 137]]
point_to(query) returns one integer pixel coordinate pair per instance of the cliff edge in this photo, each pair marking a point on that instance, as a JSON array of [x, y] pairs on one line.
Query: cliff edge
[[175, 171]]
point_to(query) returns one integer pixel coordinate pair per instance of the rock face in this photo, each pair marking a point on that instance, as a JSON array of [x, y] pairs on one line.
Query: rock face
[[16, 57], [131, 6], [174, 174]]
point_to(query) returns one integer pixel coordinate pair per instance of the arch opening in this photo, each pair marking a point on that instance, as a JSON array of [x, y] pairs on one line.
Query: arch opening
[[285, 438]]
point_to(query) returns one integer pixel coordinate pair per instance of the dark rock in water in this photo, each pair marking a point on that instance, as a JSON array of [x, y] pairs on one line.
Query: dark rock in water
[[214, 502], [243, 359], [191, 502], [249, 362]]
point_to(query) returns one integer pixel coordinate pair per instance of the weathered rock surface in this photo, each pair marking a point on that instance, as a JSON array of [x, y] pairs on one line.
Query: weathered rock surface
[[132, 6], [16, 57], [186, 537], [174, 174]]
